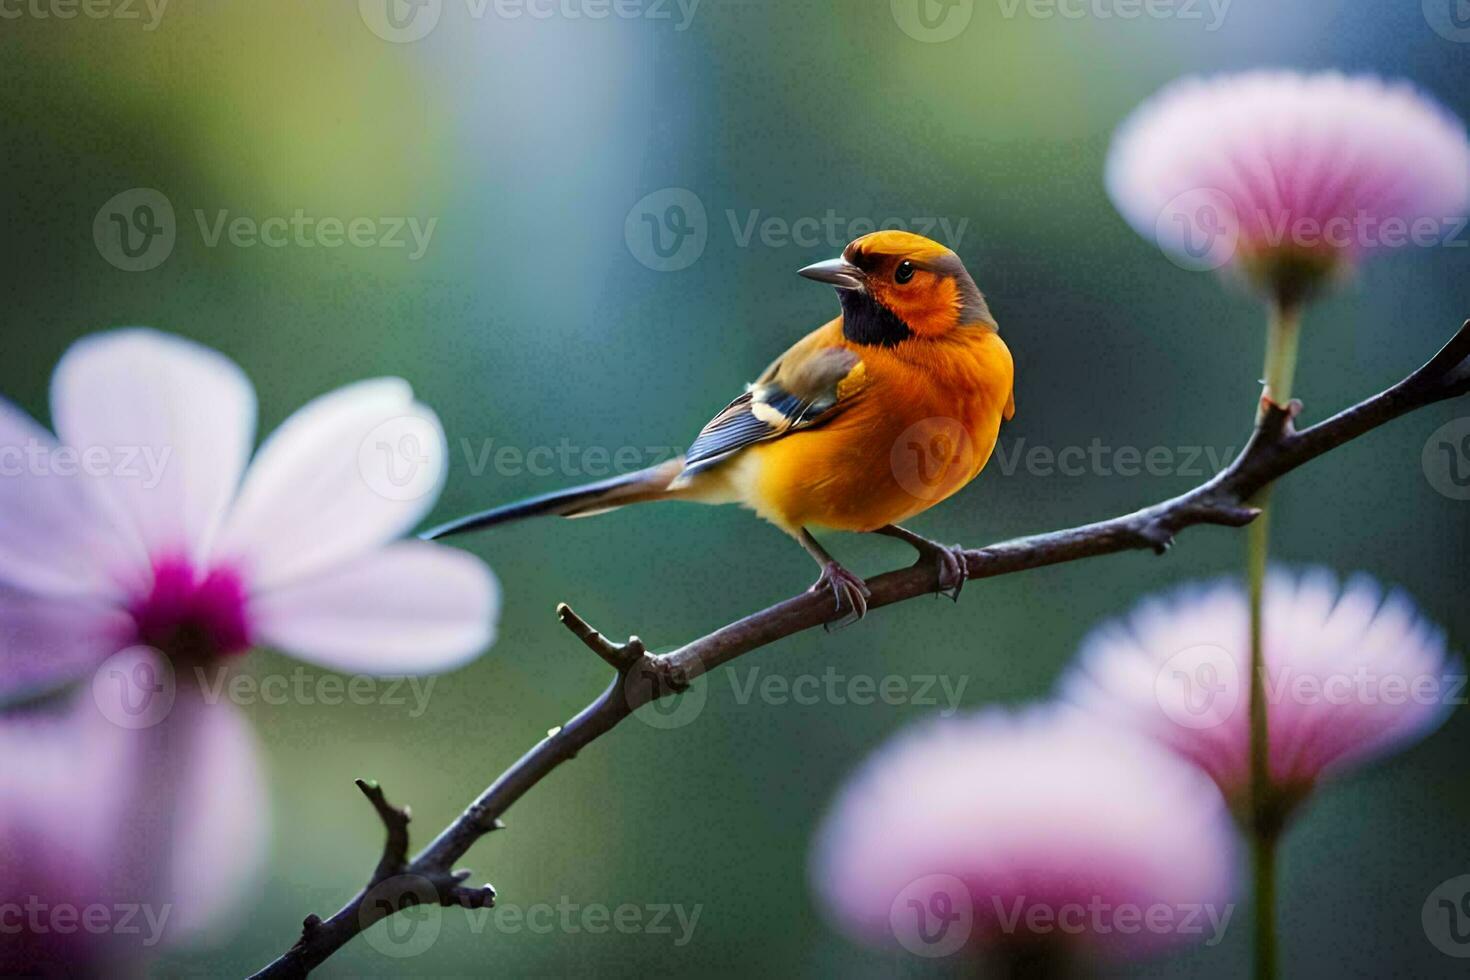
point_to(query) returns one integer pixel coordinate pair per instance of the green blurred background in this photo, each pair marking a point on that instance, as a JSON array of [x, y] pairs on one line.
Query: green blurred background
[[530, 321]]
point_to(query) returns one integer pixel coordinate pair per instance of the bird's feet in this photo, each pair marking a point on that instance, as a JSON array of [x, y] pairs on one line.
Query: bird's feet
[[950, 560], [847, 589]]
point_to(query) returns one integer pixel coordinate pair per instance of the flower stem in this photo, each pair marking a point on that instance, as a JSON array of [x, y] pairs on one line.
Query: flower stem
[[1263, 864], [1283, 330]]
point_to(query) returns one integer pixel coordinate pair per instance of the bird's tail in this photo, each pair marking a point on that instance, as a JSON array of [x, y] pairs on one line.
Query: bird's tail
[[584, 501]]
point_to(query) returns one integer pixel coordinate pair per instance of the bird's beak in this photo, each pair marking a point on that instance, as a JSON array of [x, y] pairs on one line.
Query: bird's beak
[[839, 272]]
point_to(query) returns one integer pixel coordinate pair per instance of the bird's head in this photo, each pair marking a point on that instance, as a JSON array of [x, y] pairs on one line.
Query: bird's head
[[896, 286]]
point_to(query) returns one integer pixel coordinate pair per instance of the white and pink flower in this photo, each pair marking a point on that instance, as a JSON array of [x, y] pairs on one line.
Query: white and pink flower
[[1350, 676], [1289, 177], [140, 523], [1027, 836]]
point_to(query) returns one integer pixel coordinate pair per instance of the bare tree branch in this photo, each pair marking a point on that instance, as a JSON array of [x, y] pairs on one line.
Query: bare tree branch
[[1275, 448]]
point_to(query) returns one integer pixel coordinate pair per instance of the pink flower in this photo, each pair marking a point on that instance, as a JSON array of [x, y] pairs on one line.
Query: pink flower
[[142, 524], [1289, 176], [1350, 676], [1038, 834], [115, 844]]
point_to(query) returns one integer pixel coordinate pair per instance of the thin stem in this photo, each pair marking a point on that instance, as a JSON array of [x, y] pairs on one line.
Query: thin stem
[[1283, 330], [1263, 866]]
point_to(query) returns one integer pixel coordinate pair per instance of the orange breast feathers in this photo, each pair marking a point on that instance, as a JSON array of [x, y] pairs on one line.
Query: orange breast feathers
[[918, 421]]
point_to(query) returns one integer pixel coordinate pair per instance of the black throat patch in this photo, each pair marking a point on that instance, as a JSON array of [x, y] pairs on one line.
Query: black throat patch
[[867, 321]]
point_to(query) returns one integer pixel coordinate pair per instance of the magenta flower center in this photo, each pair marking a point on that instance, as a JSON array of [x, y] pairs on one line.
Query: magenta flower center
[[192, 614]]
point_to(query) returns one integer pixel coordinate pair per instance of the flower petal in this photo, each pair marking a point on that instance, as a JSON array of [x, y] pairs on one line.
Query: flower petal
[[54, 538], [349, 471], [221, 828], [168, 820], [47, 642], [175, 421], [412, 607]]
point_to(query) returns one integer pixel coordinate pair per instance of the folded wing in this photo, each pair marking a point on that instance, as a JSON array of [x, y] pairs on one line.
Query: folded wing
[[803, 389]]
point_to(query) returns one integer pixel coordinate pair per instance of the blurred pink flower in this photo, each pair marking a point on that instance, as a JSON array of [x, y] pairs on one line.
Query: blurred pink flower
[[115, 844], [1040, 834], [1350, 676], [143, 526], [1289, 176]]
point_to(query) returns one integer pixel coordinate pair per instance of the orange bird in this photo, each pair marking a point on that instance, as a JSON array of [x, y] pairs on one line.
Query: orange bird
[[870, 419]]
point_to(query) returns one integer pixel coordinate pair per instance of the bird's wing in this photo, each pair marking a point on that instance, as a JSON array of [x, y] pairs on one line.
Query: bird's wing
[[807, 386]]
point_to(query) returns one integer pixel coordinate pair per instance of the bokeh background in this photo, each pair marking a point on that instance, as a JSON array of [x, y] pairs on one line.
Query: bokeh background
[[539, 315]]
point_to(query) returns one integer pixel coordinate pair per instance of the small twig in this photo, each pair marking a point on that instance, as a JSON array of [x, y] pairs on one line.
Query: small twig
[[619, 656], [395, 821], [1274, 449]]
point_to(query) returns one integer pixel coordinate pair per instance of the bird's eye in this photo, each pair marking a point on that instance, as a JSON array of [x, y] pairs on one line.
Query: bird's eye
[[904, 272]]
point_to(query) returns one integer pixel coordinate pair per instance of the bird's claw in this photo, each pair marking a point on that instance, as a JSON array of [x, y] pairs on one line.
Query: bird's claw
[[950, 560], [846, 587]]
